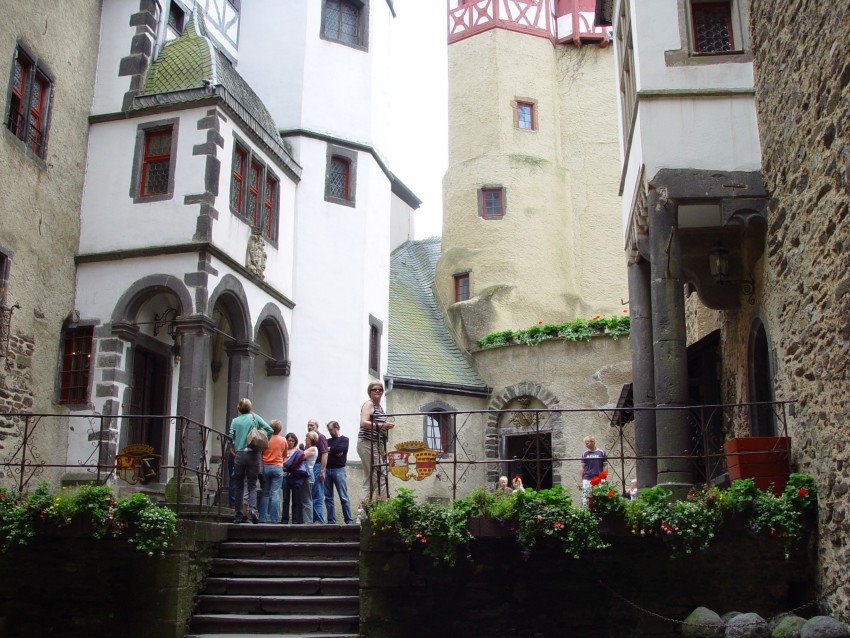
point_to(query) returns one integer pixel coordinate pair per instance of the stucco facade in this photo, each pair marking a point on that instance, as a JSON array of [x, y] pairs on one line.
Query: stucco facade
[[547, 258], [39, 214]]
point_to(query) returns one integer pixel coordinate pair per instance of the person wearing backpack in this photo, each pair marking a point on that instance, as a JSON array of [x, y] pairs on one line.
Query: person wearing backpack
[[247, 462]]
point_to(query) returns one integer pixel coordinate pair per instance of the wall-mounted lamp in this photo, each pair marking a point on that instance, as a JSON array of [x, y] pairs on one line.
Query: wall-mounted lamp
[[167, 317], [718, 265]]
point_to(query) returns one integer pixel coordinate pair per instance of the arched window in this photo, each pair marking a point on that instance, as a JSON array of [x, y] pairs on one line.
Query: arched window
[[439, 431], [763, 422]]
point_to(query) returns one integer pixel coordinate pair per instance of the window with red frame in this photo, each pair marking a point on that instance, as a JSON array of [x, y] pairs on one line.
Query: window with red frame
[[712, 24], [339, 178], [492, 203], [29, 103], [462, 286], [254, 175], [438, 431], [156, 163], [525, 116], [237, 179], [270, 200], [76, 364]]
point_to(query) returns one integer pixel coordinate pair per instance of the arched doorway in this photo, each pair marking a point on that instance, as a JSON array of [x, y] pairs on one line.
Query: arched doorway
[[762, 417]]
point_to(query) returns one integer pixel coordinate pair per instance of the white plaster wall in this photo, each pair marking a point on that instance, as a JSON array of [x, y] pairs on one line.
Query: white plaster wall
[[231, 233], [109, 218], [655, 25], [401, 222], [116, 37], [323, 86], [342, 276]]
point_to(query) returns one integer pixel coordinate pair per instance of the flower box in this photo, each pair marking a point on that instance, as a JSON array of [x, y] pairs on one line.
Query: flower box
[[486, 527], [761, 458]]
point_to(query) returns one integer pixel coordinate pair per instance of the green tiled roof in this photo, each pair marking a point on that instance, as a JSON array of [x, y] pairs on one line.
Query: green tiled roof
[[190, 68], [420, 347]]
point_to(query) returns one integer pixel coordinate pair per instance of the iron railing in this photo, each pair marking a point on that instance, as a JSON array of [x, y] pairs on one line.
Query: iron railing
[[544, 429], [196, 471]]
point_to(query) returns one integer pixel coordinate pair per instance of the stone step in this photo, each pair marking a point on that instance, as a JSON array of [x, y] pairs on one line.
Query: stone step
[[295, 550], [281, 605], [265, 624], [283, 568], [304, 586], [312, 635], [308, 533]]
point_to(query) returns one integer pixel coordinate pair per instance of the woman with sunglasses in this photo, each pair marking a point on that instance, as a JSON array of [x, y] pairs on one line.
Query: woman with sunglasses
[[372, 440]]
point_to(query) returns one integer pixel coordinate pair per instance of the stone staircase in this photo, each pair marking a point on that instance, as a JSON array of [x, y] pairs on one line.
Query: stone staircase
[[293, 580]]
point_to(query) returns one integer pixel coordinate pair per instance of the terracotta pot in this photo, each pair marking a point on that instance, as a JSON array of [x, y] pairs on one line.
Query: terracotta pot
[[761, 458]]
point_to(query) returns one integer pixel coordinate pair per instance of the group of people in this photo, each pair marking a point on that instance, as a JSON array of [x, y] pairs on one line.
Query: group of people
[[305, 474], [296, 480]]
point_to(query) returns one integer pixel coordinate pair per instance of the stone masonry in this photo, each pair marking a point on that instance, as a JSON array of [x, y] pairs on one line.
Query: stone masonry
[[803, 96]]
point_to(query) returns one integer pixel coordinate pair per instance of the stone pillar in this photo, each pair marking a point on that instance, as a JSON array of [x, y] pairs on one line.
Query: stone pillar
[[668, 338], [643, 369], [240, 373], [195, 332]]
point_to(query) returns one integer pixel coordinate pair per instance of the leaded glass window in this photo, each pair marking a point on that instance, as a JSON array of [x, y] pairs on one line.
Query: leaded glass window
[[492, 203], [712, 27], [156, 166], [525, 115], [76, 363], [342, 22], [338, 178]]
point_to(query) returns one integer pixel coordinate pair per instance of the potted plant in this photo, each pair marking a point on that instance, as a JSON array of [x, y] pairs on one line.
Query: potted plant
[[761, 458]]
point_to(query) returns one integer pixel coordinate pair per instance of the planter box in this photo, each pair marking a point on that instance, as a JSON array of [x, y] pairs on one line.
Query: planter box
[[761, 458], [486, 527]]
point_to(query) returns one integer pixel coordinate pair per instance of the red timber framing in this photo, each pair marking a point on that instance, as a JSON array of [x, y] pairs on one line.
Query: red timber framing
[[572, 20]]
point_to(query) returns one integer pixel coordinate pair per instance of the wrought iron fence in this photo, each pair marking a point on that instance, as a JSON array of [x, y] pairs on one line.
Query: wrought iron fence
[[194, 479], [542, 456]]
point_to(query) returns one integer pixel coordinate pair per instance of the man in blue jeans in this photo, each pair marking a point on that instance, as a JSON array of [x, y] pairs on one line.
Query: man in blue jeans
[[335, 474], [319, 474]]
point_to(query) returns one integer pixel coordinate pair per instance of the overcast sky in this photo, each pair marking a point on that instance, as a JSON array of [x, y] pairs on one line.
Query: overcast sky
[[418, 154]]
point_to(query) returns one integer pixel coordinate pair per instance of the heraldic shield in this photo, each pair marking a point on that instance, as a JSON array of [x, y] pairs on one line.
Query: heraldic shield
[[137, 464], [412, 460]]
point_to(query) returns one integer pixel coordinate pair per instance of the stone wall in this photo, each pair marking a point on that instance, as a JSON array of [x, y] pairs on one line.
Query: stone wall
[[803, 96], [40, 198], [630, 589], [69, 584]]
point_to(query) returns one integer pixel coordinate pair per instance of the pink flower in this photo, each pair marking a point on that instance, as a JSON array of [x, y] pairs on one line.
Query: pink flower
[[558, 524]]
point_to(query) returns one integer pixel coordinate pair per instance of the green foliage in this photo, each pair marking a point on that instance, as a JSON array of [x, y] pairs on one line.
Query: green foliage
[[150, 528], [549, 514], [685, 525], [576, 330], [604, 499], [439, 532]]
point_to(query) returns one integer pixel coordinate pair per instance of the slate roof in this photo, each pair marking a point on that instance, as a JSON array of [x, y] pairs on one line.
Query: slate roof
[[190, 68], [420, 347]]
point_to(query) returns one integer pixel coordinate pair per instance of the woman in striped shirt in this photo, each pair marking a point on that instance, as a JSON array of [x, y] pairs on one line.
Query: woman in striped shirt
[[372, 440]]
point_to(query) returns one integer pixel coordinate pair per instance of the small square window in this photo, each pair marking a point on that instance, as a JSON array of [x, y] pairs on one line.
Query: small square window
[[461, 286], [492, 203], [438, 431], [76, 364], [345, 21], [29, 103], [525, 116], [712, 24]]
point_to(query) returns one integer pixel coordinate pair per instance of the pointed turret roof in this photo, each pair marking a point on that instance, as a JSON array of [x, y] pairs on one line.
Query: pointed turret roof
[[190, 68]]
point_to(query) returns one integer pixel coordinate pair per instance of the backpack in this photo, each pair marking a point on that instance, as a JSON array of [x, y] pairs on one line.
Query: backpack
[[296, 464]]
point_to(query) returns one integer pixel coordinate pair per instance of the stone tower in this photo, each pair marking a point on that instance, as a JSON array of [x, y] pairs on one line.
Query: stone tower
[[531, 230]]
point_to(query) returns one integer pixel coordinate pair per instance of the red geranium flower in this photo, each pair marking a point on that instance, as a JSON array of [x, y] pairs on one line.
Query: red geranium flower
[[596, 317], [603, 475], [802, 492], [595, 481], [611, 493]]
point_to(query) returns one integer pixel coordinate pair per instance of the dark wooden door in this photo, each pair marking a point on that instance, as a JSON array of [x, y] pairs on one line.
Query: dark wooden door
[[150, 383], [530, 458]]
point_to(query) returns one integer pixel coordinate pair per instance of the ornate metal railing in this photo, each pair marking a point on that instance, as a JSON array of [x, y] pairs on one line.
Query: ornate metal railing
[[542, 459], [191, 476]]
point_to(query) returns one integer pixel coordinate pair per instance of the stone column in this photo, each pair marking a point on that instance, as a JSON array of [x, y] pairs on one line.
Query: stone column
[[240, 373], [195, 333], [668, 338], [643, 369]]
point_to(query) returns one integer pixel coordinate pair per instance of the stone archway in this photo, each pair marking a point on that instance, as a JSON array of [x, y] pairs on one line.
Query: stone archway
[[498, 427]]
